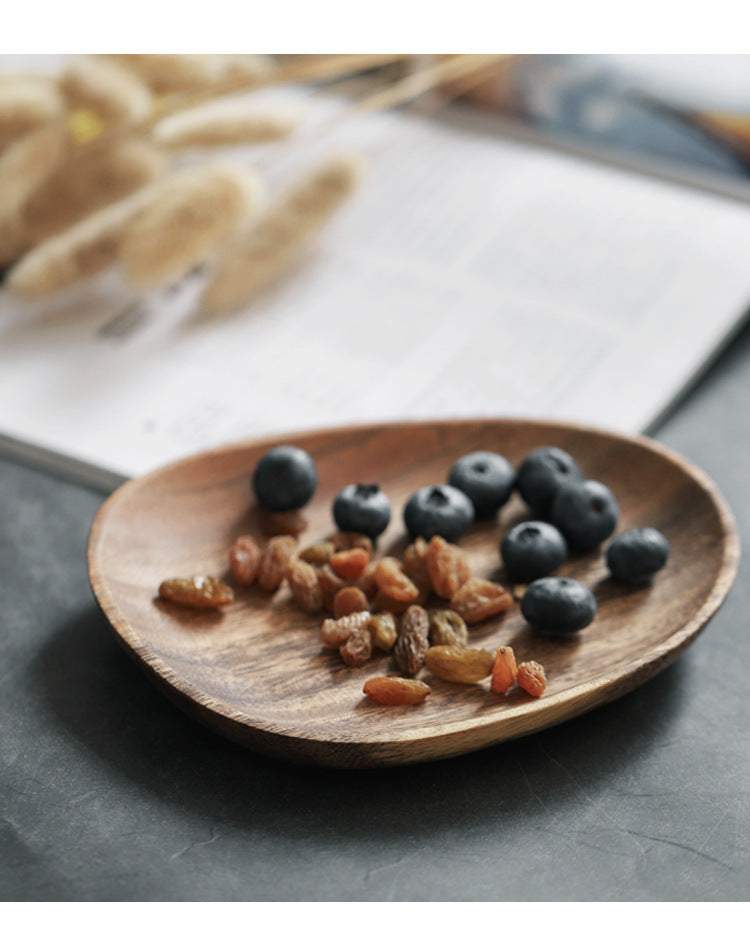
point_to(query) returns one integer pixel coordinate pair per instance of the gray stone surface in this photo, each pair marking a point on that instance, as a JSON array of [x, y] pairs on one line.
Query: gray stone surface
[[109, 793]]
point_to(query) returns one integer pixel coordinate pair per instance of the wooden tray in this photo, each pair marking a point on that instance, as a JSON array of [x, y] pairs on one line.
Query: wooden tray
[[257, 673]]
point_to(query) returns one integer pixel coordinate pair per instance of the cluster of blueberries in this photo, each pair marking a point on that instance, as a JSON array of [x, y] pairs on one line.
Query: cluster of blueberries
[[571, 513]]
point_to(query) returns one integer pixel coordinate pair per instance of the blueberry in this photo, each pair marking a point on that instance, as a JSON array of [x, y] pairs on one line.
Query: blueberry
[[532, 549], [439, 510], [636, 555], [541, 475], [585, 513], [285, 478], [487, 480], [558, 606], [362, 508]]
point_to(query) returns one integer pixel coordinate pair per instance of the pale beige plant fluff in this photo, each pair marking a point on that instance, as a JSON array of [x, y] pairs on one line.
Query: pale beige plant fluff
[[219, 124], [24, 166], [258, 257], [26, 102], [116, 94], [85, 250], [175, 72], [193, 212], [91, 179]]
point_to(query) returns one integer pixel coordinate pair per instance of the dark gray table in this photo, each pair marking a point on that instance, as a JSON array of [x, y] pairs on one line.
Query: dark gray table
[[109, 793]]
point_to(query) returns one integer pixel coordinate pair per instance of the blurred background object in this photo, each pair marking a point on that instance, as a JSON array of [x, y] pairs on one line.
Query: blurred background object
[[679, 111]]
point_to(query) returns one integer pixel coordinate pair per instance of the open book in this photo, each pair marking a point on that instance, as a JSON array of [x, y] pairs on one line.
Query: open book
[[471, 275]]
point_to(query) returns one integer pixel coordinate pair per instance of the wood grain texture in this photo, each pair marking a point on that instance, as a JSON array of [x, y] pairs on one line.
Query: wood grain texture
[[256, 672]]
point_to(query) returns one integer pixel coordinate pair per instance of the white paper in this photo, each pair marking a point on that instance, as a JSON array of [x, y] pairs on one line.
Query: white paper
[[471, 275]]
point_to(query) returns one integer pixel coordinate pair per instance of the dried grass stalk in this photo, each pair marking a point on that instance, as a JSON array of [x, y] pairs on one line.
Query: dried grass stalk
[[254, 260], [88, 181], [193, 213], [83, 251], [218, 125], [24, 166], [27, 102], [114, 93]]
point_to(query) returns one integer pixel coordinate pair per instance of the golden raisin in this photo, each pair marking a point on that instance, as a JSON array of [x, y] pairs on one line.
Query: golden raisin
[[357, 648], [306, 590], [459, 665], [349, 599], [335, 631], [384, 603], [396, 691], [383, 631], [366, 581], [244, 560], [393, 581], [531, 678], [274, 565], [349, 564], [197, 591], [478, 599], [330, 584], [343, 540], [503, 670], [447, 566], [414, 561], [447, 627], [318, 554], [412, 641]]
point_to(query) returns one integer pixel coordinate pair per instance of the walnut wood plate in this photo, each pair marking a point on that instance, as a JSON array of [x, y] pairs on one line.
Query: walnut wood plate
[[257, 673]]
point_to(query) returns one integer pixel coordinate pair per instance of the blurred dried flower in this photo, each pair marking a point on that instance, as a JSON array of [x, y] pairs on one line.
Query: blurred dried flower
[[89, 180], [24, 165], [26, 102], [79, 253], [115, 94], [258, 257], [190, 215], [216, 125]]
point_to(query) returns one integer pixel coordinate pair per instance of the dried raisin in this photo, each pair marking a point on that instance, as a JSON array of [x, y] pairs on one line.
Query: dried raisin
[[330, 584], [531, 678], [335, 631], [244, 560], [197, 591], [349, 599], [383, 631], [349, 564], [503, 670], [357, 648], [414, 561], [459, 665], [447, 627], [393, 581], [343, 540], [274, 565], [318, 554], [412, 641], [478, 599], [306, 590], [396, 691], [447, 566]]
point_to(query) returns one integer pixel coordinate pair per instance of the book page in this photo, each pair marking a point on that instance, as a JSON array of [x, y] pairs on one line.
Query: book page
[[470, 275]]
